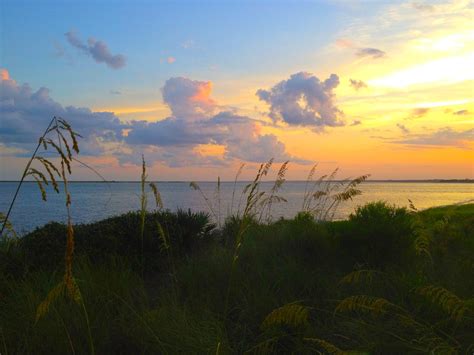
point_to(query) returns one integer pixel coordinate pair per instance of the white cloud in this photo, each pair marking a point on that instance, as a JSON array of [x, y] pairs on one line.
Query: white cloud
[[304, 100]]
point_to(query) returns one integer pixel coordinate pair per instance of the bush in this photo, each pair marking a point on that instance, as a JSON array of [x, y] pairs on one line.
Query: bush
[[186, 232], [378, 235]]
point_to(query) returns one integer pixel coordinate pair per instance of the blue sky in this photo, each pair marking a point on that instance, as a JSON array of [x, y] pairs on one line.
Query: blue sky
[[240, 38]]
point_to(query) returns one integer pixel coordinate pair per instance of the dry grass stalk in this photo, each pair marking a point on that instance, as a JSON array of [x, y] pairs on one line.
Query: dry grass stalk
[[323, 196], [237, 175], [54, 137], [195, 186], [267, 202]]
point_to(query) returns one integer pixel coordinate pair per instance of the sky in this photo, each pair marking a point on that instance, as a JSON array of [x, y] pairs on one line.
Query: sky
[[200, 87]]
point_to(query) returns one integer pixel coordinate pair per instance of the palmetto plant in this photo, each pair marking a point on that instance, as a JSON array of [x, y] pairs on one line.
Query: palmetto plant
[[404, 324]]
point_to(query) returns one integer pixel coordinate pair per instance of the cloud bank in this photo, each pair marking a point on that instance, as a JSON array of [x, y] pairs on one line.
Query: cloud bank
[[174, 141], [196, 120], [189, 98], [443, 137], [26, 113]]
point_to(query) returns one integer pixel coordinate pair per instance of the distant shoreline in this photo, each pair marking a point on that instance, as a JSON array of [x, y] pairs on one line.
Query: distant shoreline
[[440, 181]]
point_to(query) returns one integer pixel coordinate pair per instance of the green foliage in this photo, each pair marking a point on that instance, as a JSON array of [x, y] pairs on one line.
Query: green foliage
[[450, 303], [297, 287], [187, 231], [378, 235]]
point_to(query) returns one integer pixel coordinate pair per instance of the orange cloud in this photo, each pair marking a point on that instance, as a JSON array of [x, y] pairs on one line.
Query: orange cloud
[[203, 93], [4, 74], [171, 60]]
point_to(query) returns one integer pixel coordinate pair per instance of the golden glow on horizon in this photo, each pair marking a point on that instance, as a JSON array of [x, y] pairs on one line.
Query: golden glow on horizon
[[214, 150], [129, 110], [442, 103]]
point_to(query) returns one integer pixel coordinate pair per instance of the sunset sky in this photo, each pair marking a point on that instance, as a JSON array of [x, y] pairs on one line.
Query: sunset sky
[[198, 87]]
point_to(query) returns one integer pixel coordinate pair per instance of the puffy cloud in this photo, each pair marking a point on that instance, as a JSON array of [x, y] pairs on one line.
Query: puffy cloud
[[240, 136], [26, 113], [258, 148], [98, 50], [356, 123], [357, 84], [370, 52], [443, 137], [243, 139], [303, 100], [195, 122], [189, 98], [403, 128], [169, 132], [173, 141]]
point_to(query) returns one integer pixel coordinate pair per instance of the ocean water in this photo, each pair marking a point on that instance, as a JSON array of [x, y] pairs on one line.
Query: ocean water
[[94, 201]]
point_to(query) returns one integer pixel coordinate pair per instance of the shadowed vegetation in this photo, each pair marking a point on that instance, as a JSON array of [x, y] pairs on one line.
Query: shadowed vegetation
[[299, 285]]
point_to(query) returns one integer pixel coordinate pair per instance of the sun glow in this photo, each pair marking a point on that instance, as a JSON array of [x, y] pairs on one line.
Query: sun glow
[[446, 70]]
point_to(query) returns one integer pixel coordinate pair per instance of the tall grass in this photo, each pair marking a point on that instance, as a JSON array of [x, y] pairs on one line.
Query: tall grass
[[321, 200], [62, 140], [323, 196]]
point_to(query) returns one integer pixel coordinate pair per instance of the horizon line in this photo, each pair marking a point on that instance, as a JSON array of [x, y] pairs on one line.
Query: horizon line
[[469, 180]]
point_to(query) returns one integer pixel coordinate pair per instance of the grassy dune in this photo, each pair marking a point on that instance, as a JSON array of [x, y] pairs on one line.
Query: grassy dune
[[385, 281]]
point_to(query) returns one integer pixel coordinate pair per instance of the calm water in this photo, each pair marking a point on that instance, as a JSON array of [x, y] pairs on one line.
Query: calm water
[[95, 201]]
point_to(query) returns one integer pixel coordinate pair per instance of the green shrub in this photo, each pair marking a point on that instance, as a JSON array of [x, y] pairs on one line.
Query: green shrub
[[378, 235], [186, 231]]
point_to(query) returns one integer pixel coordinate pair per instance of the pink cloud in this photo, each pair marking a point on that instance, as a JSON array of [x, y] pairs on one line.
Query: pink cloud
[[189, 98], [344, 43]]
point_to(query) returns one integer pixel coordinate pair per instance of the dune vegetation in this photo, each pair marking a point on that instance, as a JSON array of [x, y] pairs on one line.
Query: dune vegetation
[[387, 280]]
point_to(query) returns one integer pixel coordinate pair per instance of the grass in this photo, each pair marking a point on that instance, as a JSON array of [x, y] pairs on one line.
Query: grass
[[298, 286]]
